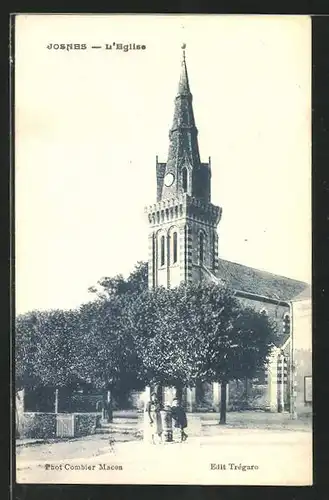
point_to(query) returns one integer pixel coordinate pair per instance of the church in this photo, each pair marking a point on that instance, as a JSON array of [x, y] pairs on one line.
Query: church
[[183, 246]]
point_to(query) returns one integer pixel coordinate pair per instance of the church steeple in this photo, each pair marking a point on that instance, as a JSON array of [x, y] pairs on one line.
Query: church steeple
[[183, 239], [183, 134], [183, 172]]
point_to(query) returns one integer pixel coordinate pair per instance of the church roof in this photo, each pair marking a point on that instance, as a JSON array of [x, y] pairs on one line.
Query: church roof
[[305, 294], [249, 280]]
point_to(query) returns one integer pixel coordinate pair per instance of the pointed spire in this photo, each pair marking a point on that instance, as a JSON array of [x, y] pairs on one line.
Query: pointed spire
[[183, 153], [183, 87], [183, 133], [183, 113]]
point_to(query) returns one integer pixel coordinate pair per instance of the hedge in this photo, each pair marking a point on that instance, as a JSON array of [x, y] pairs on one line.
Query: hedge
[[43, 425], [38, 425], [85, 424]]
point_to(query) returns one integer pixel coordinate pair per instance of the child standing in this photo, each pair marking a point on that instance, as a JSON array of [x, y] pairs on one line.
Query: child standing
[[179, 417]]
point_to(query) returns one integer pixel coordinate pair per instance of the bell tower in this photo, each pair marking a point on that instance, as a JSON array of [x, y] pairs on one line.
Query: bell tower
[[183, 241]]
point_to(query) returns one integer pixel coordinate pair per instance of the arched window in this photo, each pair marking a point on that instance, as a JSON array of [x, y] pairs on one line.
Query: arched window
[[184, 179], [174, 253], [286, 324], [162, 251], [201, 248]]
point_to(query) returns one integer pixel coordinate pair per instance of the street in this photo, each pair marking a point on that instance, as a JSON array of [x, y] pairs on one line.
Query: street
[[274, 451]]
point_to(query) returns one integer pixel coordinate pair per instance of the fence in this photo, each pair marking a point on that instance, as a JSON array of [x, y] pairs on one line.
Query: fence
[[65, 425]]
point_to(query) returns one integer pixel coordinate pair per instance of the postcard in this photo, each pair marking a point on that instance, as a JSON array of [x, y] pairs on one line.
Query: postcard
[[163, 249]]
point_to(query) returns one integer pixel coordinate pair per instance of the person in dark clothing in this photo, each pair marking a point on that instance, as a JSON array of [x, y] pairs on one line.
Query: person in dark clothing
[[105, 407], [108, 411], [179, 417]]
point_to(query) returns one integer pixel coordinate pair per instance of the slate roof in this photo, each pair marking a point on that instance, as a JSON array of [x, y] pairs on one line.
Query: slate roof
[[305, 294], [247, 279]]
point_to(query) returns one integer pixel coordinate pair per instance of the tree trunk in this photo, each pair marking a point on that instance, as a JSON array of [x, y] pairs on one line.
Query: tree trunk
[[179, 393], [222, 419], [246, 393], [108, 407], [56, 400], [19, 410], [159, 392]]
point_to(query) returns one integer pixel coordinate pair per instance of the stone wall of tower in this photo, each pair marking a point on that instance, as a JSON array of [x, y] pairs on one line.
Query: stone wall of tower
[[210, 251], [187, 225], [168, 273], [187, 267], [151, 263]]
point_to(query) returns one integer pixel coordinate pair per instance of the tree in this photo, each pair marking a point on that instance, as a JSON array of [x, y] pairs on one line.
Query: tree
[[138, 278], [27, 350], [172, 331], [107, 360], [137, 282], [131, 335], [229, 341], [242, 351], [86, 347], [199, 333], [46, 350], [156, 327]]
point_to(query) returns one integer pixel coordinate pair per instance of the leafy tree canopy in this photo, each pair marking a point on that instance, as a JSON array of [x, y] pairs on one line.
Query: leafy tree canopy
[[198, 332], [131, 335], [108, 357], [137, 282], [46, 348]]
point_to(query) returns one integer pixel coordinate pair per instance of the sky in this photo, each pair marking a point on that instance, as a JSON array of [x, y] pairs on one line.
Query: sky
[[89, 124]]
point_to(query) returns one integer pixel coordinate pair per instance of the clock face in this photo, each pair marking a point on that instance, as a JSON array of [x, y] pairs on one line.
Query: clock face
[[169, 179]]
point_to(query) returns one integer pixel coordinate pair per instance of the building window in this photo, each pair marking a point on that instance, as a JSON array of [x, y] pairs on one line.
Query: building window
[[286, 324], [201, 249], [184, 179], [174, 248], [162, 251]]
